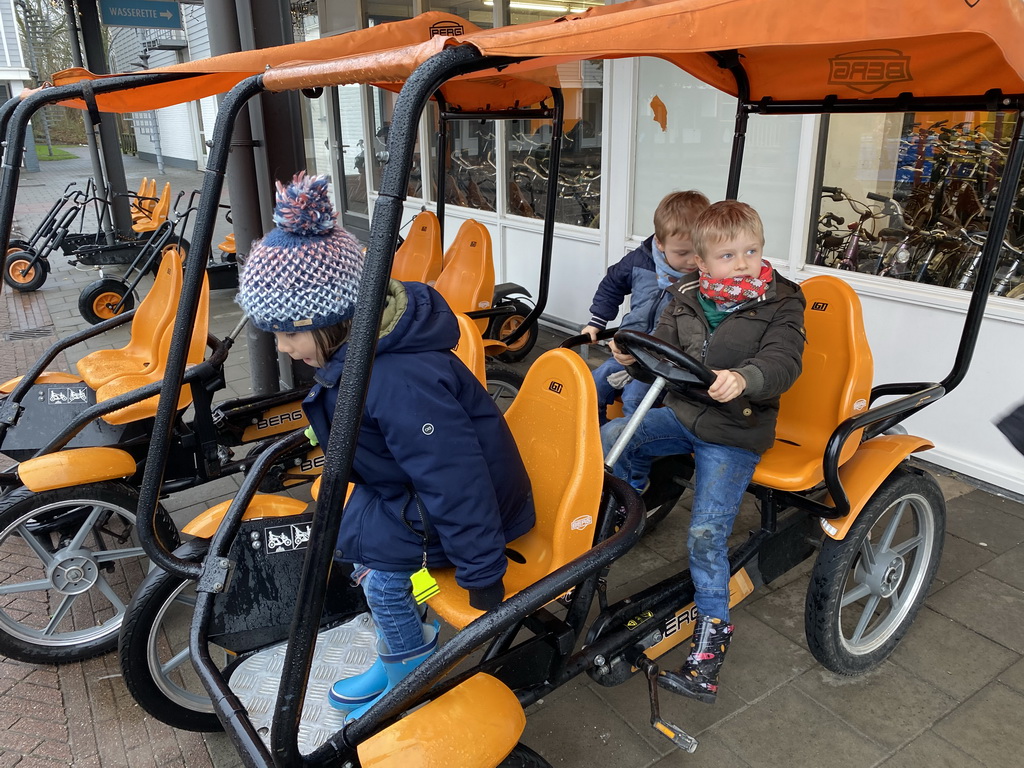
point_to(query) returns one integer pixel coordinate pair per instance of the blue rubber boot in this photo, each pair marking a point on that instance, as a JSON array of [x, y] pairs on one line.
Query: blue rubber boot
[[398, 665], [355, 691]]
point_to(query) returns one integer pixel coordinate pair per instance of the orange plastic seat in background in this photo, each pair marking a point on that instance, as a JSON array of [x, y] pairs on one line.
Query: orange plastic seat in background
[[123, 384], [467, 279], [158, 215], [554, 422], [419, 257], [835, 384], [227, 245], [144, 202], [470, 349], [154, 315]]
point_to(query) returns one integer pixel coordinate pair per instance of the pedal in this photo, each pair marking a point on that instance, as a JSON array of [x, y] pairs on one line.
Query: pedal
[[674, 733], [224, 454]]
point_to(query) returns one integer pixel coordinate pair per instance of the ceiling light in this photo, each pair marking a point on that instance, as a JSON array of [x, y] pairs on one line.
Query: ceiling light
[[526, 5]]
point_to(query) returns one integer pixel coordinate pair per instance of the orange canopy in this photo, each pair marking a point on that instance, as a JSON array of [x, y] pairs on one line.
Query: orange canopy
[[220, 73], [790, 49]]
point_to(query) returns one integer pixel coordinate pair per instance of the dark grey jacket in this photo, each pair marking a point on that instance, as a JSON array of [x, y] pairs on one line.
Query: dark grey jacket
[[762, 340]]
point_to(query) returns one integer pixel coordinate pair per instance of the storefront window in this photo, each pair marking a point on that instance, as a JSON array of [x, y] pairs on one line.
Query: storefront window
[[480, 13], [470, 176], [910, 197], [374, 148], [579, 177], [684, 133]]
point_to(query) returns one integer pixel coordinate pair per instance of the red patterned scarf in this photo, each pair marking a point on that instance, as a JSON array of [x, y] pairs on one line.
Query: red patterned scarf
[[732, 290]]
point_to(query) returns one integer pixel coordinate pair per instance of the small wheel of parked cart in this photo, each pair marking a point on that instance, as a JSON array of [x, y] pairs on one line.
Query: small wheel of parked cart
[[17, 245], [21, 274], [503, 325], [79, 562], [523, 757], [98, 300], [866, 589], [503, 384]]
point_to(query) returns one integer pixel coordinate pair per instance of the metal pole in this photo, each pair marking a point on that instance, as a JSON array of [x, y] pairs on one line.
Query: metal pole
[[92, 39], [90, 129]]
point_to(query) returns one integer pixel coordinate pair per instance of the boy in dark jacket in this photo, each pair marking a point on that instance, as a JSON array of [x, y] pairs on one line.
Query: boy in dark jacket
[[645, 275], [438, 480], [745, 322]]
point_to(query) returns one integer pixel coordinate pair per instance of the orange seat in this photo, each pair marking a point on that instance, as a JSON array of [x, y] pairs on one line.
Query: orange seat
[[835, 384], [467, 279], [419, 257], [123, 384], [554, 422], [228, 244], [152, 318], [470, 349], [158, 214], [145, 199]]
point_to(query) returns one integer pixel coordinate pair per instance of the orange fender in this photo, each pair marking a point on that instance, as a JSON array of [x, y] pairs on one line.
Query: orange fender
[[46, 377], [874, 460], [205, 524], [75, 466]]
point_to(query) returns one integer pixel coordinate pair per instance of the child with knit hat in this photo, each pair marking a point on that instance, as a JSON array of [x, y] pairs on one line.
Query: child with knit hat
[[746, 323], [438, 480]]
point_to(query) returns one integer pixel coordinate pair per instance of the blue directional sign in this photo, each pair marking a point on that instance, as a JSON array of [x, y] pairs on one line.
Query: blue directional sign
[[140, 13]]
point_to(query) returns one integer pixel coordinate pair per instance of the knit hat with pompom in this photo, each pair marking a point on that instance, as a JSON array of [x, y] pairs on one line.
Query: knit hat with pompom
[[303, 274]]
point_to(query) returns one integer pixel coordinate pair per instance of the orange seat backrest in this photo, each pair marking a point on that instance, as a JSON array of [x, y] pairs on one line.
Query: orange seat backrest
[[467, 279], [152, 317], [145, 201], [419, 257], [834, 385], [196, 353], [470, 349], [554, 422], [158, 215]]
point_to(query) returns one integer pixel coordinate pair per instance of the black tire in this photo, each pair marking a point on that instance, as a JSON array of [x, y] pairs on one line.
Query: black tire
[[153, 648], [502, 325], [503, 384], [98, 299], [21, 274], [523, 757], [866, 590], [95, 575], [18, 245]]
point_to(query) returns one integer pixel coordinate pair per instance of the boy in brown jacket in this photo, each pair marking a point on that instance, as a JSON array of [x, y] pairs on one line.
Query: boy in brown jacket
[[745, 322]]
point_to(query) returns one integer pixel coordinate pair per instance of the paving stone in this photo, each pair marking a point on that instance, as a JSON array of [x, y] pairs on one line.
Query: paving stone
[[783, 611], [983, 725], [986, 605], [890, 705], [970, 518], [934, 650], [929, 751], [711, 753], [581, 723], [958, 558], [1008, 567], [761, 659], [811, 732], [1013, 676]]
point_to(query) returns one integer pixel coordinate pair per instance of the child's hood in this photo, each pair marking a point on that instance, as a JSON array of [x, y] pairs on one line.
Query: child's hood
[[416, 319]]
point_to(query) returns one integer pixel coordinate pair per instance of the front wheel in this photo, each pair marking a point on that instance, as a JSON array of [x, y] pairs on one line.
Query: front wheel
[[99, 300], [866, 590], [154, 649], [21, 274], [523, 757], [502, 326], [503, 384], [70, 562]]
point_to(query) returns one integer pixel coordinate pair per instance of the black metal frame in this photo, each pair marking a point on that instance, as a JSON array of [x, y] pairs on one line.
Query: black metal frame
[[609, 639]]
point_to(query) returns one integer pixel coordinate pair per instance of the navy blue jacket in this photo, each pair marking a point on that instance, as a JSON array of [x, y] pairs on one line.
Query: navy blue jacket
[[632, 276], [432, 449]]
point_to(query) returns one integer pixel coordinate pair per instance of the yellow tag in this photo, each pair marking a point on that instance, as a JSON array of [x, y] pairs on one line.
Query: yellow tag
[[424, 586], [309, 433]]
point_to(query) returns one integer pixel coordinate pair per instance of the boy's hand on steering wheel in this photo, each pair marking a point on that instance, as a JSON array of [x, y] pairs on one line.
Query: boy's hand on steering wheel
[[620, 357], [591, 331], [728, 386]]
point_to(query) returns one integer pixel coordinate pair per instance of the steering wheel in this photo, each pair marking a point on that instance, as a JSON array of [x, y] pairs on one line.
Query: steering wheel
[[683, 374]]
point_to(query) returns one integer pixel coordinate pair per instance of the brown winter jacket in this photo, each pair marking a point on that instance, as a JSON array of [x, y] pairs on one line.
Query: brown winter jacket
[[762, 340]]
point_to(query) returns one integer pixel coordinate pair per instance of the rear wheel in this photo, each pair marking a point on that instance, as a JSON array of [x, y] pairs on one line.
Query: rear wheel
[[17, 245], [866, 590], [503, 384], [154, 650], [71, 561], [21, 274], [98, 300], [503, 325]]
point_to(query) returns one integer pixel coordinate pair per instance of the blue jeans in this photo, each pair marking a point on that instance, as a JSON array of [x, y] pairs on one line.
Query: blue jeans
[[397, 617], [632, 393], [722, 474]]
